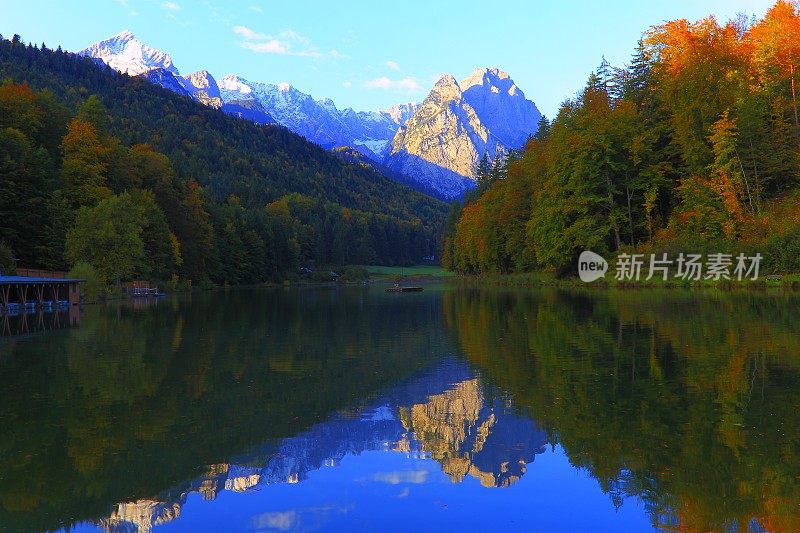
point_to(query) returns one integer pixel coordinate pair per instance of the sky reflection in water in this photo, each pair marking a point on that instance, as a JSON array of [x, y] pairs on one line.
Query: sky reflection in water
[[353, 409]]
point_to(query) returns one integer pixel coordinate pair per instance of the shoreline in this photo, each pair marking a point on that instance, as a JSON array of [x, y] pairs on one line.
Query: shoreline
[[543, 279], [530, 280]]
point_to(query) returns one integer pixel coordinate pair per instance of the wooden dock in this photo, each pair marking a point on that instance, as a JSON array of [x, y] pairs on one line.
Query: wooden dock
[[397, 288], [140, 289], [20, 293]]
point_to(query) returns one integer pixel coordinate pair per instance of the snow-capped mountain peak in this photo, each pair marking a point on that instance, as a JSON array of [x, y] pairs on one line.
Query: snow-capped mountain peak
[[400, 113], [123, 36], [436, 142], [330, 106], [125, 53], [234, 83]]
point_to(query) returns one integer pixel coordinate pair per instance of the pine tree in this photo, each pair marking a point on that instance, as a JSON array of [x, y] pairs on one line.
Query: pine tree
[[603, 75], [542, 129], [483, 172], [499, 169], [639, 76]]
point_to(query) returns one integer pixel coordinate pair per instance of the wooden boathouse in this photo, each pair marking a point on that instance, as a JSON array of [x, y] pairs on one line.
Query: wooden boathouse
[[18, 293]]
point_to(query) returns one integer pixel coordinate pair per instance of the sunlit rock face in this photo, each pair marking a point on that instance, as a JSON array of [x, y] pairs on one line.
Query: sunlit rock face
[[203, 87], [457, 428], [140, 516], [457, 124], [241, 479], [214, 481]]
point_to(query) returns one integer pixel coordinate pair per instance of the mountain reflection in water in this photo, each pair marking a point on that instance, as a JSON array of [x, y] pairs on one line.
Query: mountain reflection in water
[[443, 414], [352, 408]]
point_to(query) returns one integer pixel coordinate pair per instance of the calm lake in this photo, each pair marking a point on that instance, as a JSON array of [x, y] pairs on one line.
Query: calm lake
[[353, 409]]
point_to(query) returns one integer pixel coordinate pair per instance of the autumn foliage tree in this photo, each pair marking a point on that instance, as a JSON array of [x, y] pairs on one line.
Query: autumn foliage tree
[[693, 144]]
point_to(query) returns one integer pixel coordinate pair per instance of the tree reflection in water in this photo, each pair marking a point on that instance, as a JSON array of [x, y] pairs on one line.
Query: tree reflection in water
[[687, 401], [690, 401]]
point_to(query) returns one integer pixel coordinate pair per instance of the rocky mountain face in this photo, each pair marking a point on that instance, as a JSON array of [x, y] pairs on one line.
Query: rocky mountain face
[[457, 124], [436, 144], [166, 79], [203, 87], [319, 121]]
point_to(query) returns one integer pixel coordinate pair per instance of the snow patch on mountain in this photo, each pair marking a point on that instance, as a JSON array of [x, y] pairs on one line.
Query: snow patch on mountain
[[232, 83], [400, 113], [127, 54], [318, 120]]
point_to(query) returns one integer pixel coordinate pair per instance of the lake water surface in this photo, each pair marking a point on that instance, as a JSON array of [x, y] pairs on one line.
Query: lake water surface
[[353, 409]]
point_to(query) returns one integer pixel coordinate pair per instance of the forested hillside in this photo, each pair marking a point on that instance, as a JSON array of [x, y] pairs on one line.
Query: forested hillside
[[111, 170], [691, 147]]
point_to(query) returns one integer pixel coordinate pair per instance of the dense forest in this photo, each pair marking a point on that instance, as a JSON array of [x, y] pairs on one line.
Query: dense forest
[[133, 181], [691, 147]]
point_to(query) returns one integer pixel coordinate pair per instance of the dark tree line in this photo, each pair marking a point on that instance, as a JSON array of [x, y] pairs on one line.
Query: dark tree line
[[110, 170]]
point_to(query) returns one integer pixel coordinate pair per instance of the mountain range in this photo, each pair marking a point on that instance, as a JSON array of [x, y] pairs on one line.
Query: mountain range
[[435, 144]]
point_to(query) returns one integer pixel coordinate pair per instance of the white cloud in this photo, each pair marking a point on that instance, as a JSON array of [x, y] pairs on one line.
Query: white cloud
[[384, 83], [255, 9], [273, 46], [282, 521], [396, 478], [288, 42], [170, 6], [294, 36], [347, 84], [393, 65], [249, 34]]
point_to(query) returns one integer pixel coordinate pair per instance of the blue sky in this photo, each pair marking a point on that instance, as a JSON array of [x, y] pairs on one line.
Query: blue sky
[[371, 54]]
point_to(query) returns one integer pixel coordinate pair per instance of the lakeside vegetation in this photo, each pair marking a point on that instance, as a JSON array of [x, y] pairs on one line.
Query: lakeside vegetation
[[534, 279], [111, 171], [415, 271], [692, 147]]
